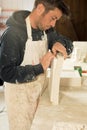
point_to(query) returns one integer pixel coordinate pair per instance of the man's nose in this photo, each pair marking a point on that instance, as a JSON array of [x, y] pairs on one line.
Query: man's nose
[[53, 23]]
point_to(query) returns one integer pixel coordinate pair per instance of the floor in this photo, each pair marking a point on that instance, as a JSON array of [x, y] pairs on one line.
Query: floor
[[3, 113]]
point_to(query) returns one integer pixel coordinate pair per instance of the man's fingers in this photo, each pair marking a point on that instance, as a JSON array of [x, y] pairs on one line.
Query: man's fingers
[[46, 60], [58, 47]]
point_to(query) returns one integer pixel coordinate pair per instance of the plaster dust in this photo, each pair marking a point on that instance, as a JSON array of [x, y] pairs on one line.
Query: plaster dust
[[70, 114], [70, 126]]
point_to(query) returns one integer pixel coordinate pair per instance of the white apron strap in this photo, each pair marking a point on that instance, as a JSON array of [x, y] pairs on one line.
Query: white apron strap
[[28, 28]]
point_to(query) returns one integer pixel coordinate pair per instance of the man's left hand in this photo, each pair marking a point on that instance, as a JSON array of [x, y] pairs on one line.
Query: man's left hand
[[58, 47]]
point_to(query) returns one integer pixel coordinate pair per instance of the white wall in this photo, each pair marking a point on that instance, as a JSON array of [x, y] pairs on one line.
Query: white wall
[[17, 4]]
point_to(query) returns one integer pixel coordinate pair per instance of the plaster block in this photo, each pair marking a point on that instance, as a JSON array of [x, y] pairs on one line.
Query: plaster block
[[54, 80]]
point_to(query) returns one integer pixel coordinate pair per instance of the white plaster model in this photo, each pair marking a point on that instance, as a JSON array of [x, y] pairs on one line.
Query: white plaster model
[[54, 81], [70, 78]]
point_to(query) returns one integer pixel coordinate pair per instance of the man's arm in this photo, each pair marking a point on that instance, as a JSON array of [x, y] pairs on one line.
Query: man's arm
[[11, 58], [54, 37]]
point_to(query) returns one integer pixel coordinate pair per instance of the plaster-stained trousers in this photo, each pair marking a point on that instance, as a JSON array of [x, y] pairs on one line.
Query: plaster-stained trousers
[[22, 99]]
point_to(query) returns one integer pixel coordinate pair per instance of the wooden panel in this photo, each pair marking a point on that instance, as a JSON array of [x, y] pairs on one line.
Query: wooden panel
[[65, 27], [79, 17]]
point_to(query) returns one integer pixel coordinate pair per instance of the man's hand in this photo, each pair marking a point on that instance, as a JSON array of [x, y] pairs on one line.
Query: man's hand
[[46, 59], [58, 47]]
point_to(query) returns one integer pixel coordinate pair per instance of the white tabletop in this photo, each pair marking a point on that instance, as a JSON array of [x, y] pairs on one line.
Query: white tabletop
[[70, 114]]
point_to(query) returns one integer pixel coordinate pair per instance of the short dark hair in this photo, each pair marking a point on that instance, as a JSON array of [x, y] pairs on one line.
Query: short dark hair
[[52, 4]]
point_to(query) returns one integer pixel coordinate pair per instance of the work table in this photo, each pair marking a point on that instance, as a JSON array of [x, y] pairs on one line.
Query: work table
[[72, 110], [69, 114]]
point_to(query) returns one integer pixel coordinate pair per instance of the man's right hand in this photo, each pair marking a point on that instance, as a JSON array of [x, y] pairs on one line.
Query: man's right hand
[[46, 60]]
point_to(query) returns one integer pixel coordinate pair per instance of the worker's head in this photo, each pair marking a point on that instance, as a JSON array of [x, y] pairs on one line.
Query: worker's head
[[49, 11]]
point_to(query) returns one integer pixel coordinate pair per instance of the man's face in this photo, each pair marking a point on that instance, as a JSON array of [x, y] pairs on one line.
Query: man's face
[[49, 19]]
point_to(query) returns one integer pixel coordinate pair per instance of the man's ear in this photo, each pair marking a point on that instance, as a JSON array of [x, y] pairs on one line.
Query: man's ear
[[40, 9]]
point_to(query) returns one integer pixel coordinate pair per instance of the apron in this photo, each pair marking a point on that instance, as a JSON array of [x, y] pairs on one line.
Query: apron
[[22, 99]]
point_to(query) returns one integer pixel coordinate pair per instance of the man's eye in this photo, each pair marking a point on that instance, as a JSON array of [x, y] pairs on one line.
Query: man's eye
[[53, 18]]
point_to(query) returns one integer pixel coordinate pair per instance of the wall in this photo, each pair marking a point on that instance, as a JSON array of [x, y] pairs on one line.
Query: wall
[[17, 4], [9, 6]]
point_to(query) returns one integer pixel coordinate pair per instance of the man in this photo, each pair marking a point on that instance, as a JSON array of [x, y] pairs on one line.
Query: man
[[25, 57]]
